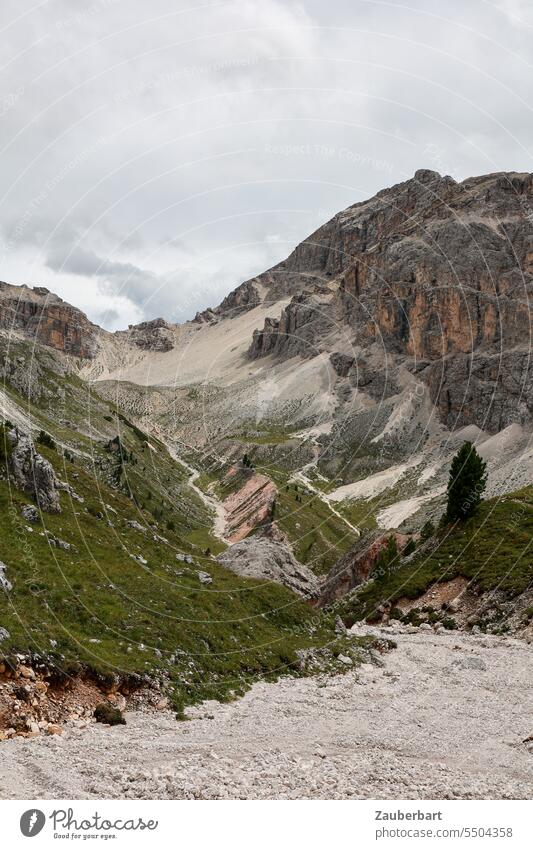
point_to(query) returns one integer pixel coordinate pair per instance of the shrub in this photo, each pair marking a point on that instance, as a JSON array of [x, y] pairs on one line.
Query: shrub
[[387, 559], [427, 530], [408, 548], [45, 439]]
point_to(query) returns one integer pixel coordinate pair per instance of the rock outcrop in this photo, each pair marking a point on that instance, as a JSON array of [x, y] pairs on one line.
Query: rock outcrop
[[304, 324], [342, 363], [31, 472], [45, 318], [244, 297], [249, 506], [490, 390], [269, 560], [356, 566], [155, 335]]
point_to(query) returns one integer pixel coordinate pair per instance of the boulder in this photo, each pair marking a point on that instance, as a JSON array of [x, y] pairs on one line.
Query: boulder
[[471, 662], [136, 525], [4, 584], [184, 558], [204, 577], [30, 513], [270, 560]]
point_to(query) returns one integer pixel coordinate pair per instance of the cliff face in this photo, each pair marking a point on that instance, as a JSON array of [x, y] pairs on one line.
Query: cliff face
[[155, 335], [249, 506], [453, 277], [302, 325], [438, 272], [47, 319], [356, 566]]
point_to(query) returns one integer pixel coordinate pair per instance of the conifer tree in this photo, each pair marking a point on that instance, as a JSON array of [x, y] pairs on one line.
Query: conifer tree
[[468, 479]]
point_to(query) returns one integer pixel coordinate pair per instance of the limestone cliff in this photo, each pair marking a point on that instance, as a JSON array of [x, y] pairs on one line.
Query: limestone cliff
[[437, 272], [155, 335], [39, 315]]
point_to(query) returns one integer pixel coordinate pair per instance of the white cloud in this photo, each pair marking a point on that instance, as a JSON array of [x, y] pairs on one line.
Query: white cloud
[[149, 158]]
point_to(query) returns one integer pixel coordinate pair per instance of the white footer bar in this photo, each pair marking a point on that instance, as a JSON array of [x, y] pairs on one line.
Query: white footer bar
[[276, 824]]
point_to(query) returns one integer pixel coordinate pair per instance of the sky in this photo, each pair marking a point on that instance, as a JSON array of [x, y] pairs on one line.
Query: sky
[[155, 155]]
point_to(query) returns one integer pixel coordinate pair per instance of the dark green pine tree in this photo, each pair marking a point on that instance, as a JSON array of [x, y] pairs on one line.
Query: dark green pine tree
[[387, 560], [468, 479]]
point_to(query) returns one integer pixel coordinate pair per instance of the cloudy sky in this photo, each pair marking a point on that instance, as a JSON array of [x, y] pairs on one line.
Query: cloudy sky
[[155, 155]]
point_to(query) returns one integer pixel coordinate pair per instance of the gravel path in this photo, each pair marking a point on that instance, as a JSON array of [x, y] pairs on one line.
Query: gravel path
[[445, 717]]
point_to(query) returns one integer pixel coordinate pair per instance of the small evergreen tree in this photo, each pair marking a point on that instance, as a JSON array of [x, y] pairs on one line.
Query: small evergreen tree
[[468, 479], [5, 446], [387, 559], [45, 439], [408, 548]]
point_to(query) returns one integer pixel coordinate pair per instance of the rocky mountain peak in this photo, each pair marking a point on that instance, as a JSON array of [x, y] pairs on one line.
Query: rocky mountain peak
[[436, 272], [39, 315], [155, 335]]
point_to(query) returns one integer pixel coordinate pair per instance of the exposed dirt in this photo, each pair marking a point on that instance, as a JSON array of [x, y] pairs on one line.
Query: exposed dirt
[[446, 717], [38, 700], [249, 507], [437, 595]]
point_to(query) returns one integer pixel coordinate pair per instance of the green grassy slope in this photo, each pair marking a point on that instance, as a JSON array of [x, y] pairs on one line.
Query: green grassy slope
[[317, 535], [118, 600]]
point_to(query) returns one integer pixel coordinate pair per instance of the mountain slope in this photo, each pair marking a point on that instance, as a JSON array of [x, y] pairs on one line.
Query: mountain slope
[[120, 582], [486, 561], [321, 400]]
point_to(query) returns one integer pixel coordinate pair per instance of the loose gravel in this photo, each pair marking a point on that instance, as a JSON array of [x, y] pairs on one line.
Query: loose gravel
[[445, 717]]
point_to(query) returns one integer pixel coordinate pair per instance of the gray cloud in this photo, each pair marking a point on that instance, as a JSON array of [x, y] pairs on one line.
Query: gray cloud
[[153, 161]]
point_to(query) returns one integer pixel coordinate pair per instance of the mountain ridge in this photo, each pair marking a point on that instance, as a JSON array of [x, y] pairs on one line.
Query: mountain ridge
[[399, 322], [429, 269]]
